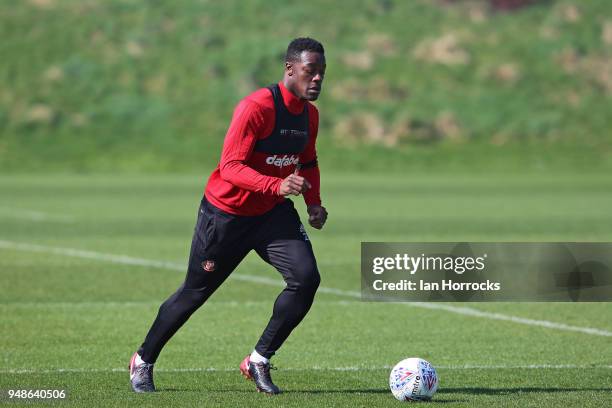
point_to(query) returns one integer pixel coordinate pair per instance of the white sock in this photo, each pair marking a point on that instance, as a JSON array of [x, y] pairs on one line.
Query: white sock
[[258, 358], [138, 361]]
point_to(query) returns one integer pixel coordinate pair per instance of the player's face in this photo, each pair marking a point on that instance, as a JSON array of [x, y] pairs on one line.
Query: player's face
[[307, 75]]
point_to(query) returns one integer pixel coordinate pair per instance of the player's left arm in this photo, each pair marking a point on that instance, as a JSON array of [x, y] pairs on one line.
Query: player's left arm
[[317, 214]]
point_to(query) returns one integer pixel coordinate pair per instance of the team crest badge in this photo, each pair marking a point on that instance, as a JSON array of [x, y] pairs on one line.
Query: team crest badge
[[209, 265]]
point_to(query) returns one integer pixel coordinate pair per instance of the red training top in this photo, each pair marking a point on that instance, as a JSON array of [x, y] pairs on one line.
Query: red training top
[[247, 182]]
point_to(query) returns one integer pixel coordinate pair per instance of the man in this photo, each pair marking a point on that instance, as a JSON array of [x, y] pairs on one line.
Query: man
[[268, 154]]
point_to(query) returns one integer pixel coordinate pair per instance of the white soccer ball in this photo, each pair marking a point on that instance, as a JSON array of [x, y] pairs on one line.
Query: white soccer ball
[[413, 379]]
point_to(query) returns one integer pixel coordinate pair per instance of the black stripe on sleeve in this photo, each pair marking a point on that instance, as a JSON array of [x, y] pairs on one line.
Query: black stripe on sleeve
[[310, 164]]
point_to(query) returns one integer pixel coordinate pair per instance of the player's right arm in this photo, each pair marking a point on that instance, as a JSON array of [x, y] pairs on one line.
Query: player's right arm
[[248, 121]]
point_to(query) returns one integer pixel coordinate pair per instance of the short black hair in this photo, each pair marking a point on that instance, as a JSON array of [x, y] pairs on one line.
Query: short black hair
[[299, 45]]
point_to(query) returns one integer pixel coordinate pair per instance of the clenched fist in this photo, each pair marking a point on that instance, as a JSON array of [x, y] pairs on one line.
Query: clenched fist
[[293, 185], [317, 215]]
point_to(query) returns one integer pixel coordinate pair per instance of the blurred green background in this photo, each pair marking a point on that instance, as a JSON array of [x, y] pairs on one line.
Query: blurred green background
[[135, 85]]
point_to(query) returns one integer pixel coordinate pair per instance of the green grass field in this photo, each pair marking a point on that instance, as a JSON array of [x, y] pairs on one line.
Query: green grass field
[[86, 260]]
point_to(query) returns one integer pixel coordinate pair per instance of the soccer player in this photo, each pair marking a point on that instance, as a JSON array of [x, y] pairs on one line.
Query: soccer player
[[268, 154]]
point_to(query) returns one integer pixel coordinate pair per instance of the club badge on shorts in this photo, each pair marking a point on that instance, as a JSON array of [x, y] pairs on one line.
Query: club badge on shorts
[[209, 265]]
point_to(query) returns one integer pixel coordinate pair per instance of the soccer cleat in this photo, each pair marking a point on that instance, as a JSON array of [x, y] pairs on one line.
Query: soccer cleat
[[141, 376], [260, 374]]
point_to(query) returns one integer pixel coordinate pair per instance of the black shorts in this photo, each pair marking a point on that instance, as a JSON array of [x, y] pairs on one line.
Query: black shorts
[[221, 240]]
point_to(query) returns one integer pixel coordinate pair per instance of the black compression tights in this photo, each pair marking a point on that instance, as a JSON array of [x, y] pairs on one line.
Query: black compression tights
[[281, 244]]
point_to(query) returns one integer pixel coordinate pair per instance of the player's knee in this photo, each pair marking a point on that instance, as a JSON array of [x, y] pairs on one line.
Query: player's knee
[[194, 297], [315, 280], [183, 301], [307, 278]]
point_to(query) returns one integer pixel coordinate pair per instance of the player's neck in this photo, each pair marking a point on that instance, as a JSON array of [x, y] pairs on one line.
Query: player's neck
[[294, 103]]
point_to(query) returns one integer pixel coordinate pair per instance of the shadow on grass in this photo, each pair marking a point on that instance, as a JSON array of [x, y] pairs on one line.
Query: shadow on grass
[[501, 391]]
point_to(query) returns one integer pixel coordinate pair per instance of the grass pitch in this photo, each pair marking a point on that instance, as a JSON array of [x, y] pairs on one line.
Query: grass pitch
[[85, 262]]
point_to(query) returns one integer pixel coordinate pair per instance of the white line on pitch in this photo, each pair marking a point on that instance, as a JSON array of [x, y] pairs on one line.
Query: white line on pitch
[[462, 310], [34, 215], [315, 368]]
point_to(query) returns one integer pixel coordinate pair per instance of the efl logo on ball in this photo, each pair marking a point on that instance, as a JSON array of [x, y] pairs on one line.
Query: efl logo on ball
[[413, 379]]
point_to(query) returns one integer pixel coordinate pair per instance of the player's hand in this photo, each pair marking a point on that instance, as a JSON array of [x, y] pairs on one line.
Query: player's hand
[[317, 215], [294, 185]]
